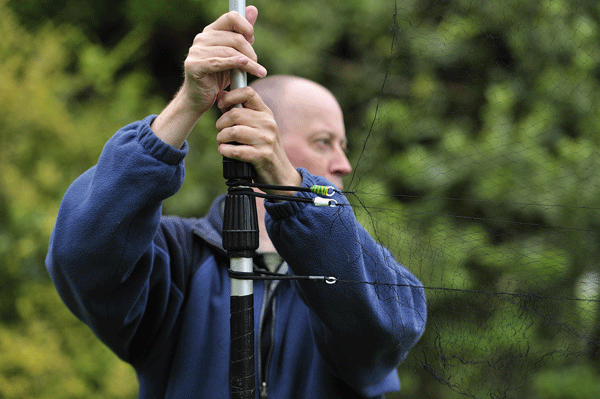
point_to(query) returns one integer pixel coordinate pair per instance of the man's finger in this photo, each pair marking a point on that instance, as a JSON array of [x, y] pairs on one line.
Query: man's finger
[[239, 117], [224, 44], [243, 153], [200, 67], [234, 22], [245, 96]]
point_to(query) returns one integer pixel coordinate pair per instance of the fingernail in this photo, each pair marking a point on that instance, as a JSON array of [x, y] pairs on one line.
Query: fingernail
[[262, 72]]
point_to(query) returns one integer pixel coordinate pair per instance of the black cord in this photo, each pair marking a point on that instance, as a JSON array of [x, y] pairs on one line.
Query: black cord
[[319, 201], [235, 183], [282, 197], [259, 274], [267, 186]]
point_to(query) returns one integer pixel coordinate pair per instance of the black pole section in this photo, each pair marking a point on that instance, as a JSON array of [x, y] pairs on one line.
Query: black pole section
[[240, 240]]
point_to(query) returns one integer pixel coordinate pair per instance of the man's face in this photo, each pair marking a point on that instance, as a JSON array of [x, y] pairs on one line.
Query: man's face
[[314, 136]]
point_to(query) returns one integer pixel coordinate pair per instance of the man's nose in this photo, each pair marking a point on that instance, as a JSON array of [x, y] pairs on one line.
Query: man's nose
[[340, 166]]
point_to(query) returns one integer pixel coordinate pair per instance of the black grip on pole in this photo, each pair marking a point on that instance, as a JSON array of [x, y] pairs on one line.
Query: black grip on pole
[[242, 384], [240, 223]]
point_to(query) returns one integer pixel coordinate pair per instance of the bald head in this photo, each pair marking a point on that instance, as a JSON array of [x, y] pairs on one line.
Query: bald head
[[281, 93], [310, 123]]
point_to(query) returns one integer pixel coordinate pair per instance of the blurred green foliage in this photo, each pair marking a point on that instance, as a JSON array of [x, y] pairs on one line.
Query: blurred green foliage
[[48, 137], [473, 134], [492, 152]]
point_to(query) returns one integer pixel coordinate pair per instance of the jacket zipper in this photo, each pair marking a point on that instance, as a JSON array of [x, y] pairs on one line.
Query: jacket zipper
[[263, 384], [263, 389], [270, 287], [262, 374]]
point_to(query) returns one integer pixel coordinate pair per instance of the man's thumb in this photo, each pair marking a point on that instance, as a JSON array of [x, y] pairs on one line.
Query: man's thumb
[[251, 14]]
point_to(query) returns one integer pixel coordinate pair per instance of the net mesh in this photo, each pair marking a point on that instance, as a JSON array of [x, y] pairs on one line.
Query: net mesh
[[478, 168]]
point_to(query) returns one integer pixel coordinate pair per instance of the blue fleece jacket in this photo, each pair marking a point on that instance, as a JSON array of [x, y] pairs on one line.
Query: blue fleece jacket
[[155, 289]]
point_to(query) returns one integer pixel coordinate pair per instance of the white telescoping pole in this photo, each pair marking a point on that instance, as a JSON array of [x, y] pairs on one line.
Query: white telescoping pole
[[240, 239], [238, 77]]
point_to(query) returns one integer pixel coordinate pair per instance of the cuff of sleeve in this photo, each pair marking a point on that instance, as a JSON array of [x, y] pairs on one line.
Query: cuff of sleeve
[[158, 148]]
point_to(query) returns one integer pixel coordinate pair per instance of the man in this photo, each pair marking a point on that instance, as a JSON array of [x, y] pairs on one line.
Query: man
[[156, 290]]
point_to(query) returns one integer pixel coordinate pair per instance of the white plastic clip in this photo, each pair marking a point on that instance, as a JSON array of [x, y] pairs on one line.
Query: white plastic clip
[[319, 201]]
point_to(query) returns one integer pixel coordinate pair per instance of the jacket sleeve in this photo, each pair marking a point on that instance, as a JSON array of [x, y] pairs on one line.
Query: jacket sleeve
[[363, 330], [110, 258]]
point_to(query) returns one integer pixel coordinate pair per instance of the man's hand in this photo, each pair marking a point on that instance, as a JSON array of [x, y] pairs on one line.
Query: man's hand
[[253, 127], [224, 45]]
